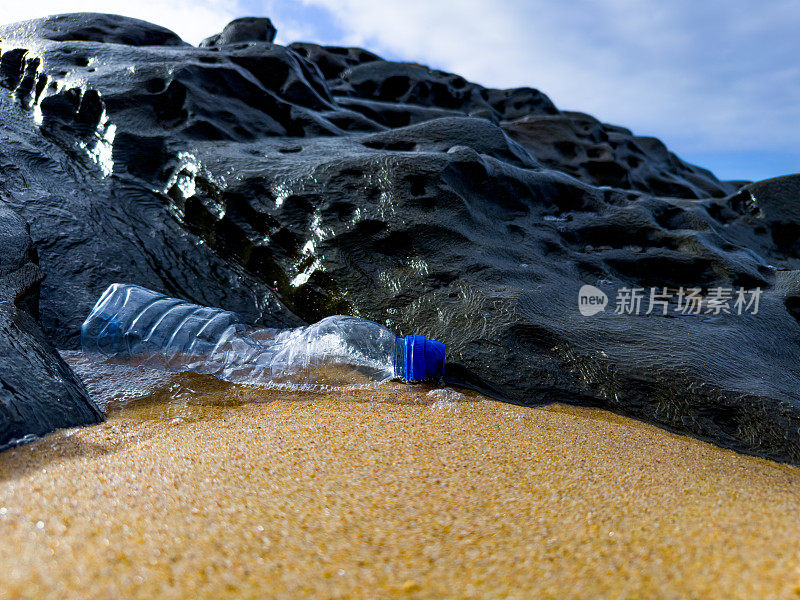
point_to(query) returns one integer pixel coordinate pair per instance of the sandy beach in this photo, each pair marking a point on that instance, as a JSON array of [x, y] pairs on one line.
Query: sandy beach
[[203, 489]]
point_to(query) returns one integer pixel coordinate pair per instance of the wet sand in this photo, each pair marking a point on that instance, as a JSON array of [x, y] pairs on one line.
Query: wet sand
[[198, 490]]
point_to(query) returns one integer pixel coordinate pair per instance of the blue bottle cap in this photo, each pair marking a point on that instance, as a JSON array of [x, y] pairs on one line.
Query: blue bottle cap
[[424, 358]]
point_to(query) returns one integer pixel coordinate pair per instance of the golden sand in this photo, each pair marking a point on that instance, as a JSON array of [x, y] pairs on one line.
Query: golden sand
[[198, 491]]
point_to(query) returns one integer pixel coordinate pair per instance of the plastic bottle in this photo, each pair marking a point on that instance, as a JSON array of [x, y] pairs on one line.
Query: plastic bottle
[[134, 323]]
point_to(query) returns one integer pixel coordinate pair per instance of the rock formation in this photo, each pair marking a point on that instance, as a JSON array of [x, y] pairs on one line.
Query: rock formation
[[38, 392], [290, 183]]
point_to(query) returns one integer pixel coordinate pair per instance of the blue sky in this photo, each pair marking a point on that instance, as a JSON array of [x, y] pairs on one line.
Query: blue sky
[[718, 81]]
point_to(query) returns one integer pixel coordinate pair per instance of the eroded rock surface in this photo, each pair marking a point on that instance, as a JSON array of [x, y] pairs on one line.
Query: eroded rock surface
[[296, 182], [38, 391]]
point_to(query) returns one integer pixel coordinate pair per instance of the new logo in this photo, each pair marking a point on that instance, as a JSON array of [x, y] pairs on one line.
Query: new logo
[[591, 300]]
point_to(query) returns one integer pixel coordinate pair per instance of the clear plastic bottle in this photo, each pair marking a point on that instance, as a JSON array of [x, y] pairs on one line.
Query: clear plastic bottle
[[132, 322]]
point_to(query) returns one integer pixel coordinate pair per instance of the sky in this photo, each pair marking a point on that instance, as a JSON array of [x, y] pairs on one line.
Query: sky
[[717, 80]]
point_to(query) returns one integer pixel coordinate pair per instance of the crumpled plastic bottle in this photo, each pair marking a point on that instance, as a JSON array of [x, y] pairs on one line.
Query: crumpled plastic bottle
[[151, 329]]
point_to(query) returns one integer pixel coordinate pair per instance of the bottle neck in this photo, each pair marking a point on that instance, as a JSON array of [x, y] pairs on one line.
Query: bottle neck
[[400, 357], [416, 358]]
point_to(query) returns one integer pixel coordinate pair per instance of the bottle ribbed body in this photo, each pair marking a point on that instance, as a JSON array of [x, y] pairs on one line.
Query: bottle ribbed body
[[136, 324]]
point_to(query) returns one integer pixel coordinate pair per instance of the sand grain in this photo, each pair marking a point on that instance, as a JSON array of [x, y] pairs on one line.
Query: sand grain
[[401, 494]]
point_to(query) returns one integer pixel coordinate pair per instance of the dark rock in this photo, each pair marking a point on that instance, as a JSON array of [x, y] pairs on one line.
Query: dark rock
[[332, 60], [776, 202], [305, 181], [395, 114], [606, 155], [38, 392], [93, 27], [410, 83], [246, 29]]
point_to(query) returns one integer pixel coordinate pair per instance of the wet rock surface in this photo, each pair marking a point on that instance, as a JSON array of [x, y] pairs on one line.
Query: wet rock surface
[[38, 391], [290, 183]]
